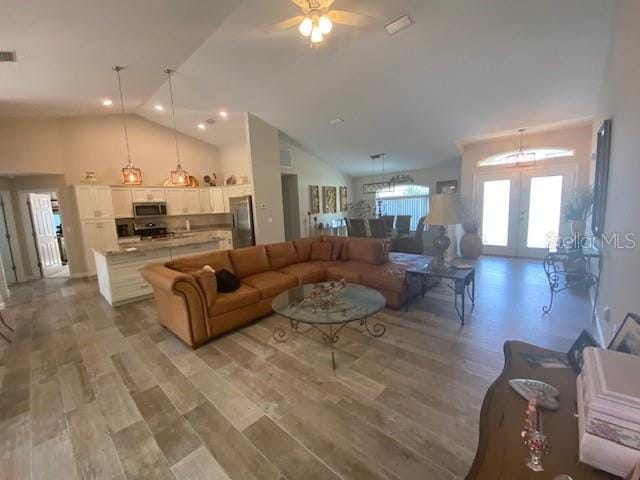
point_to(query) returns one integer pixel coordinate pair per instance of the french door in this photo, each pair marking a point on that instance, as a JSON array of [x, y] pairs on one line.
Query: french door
[[521, 211]]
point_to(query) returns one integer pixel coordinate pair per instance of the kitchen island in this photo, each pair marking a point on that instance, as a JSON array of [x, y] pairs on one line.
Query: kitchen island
[[118, 270]]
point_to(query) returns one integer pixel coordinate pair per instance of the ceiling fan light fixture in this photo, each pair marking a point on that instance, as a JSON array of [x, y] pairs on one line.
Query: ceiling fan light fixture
[[325, 24], [306, 27], [316, 35]]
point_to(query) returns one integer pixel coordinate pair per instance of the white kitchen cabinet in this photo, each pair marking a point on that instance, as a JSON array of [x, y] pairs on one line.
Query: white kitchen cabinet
[[175, 202], [122, 202], [191, 201], [239, 191], [217, 200], [205, 200], [182, 201], [94, 202], [98, 234], [152, 195]]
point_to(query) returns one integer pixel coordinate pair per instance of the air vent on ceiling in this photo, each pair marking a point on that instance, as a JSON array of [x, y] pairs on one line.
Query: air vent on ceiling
[[285, 158], [398, 25], [6, 56]]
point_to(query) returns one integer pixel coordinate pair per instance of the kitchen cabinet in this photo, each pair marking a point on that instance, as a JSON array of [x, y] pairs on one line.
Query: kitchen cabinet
[[143, 195], [122, 202], [182, 201], [98, 234], [217, 200], [94, 202], [205, 200], [239, 191]]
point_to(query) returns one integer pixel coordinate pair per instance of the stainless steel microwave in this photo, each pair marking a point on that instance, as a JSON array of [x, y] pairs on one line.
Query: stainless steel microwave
[[146, 210]]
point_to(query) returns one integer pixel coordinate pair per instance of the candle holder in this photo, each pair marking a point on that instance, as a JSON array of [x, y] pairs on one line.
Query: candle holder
[[536, 441]]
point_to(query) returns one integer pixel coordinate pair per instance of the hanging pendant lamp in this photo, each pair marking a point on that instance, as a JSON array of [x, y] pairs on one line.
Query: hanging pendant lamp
[[521, 158], [179, 176], [130, 174]]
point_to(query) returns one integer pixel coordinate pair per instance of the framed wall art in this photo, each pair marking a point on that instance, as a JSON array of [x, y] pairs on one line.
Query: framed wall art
[[575, 352], [627, 338], [329, 199], [343, 199], [601, 179], [314, 198]]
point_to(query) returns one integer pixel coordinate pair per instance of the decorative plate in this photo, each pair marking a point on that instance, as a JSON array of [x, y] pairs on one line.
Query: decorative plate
[[546, 395]]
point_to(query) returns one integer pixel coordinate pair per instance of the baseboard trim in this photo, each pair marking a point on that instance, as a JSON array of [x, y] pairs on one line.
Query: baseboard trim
[[79, 275]]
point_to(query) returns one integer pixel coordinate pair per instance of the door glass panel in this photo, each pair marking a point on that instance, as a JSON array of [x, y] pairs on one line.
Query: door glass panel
[[544, 211], [495, 213]]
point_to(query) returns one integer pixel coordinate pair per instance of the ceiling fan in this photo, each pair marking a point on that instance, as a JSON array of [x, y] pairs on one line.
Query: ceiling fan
[[317, 19]]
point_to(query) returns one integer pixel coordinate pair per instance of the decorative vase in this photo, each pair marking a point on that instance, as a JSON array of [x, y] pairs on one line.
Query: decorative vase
[[471, 246], [578, 228]]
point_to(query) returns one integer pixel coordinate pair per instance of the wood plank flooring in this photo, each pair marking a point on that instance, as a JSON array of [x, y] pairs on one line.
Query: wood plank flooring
[[92, 392]]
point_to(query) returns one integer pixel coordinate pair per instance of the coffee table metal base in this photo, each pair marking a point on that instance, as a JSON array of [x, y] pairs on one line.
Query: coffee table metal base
[[282, 334]]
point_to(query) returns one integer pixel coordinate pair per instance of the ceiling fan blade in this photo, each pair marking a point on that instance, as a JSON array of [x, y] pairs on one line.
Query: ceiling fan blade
[[348, 18], [288, 23], [301, 3], [328, 3]]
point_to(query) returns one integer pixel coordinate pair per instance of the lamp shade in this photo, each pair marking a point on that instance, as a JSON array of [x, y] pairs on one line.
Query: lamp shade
[[444, 209]]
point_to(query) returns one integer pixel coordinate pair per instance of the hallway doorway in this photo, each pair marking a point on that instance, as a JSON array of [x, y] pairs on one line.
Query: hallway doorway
[[290, 206]]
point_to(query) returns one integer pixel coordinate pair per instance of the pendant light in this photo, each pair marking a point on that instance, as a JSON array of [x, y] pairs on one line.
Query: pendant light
[[130, 174], [521, 158], [179, 176]]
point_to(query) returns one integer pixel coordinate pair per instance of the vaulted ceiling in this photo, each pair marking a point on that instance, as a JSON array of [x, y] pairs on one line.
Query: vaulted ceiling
[[466, 68]]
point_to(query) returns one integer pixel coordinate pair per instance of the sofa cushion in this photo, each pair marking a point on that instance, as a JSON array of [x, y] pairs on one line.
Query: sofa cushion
[[391, 275], [281, 254], [303, 247], [306, 272], [321, 251], [338, 251], [249, 261], [366, 250], [270, 284], [350, 271], [217, 260], [227, 302]]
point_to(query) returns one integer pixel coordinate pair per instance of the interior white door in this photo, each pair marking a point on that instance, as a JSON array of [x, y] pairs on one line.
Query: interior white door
[[542, 196], [44, 233], [499, 196]]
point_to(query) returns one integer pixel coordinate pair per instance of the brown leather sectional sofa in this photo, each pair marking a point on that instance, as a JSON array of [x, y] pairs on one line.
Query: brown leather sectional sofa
[[190, 305]]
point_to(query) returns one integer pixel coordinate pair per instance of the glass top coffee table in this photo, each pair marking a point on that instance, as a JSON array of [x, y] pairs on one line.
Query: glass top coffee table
[[328, 307]]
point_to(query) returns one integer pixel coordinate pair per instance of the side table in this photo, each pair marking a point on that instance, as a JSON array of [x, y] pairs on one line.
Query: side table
[[462, 280]]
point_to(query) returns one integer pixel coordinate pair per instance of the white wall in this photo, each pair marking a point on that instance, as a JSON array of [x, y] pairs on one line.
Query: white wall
[[620, 100], [576, 138], [73, 145], [313, 171], [427, 177], [264, 154], [234, 160]]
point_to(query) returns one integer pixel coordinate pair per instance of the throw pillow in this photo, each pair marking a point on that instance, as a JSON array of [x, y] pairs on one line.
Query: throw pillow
[[227, 281], [321, 251]]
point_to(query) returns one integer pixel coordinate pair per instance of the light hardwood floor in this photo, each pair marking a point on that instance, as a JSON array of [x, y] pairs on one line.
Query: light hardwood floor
[[89, 391]]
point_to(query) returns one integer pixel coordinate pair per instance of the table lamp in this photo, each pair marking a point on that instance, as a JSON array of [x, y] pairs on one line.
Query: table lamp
[[444, 209]]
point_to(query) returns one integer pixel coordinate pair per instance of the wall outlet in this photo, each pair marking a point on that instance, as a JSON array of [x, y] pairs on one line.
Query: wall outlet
[[606, 314]]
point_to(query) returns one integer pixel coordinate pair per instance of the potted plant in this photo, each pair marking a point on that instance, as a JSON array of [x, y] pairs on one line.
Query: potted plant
[[576, 212], [470, 243]]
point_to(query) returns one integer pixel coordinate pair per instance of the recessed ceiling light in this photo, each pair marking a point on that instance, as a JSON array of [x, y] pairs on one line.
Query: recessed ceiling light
[[399, 24], [336, 121], [223, 114], [202, 126], [159, 107], [107, 102]]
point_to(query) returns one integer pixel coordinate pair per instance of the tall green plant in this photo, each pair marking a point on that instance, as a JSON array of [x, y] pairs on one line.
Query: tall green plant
[[579, 206]]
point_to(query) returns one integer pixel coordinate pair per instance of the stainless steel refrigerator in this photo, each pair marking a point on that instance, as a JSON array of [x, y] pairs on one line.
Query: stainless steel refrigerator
[[242, 212]]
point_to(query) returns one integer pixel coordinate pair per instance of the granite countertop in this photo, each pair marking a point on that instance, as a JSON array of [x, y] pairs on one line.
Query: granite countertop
[[179, 240]]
